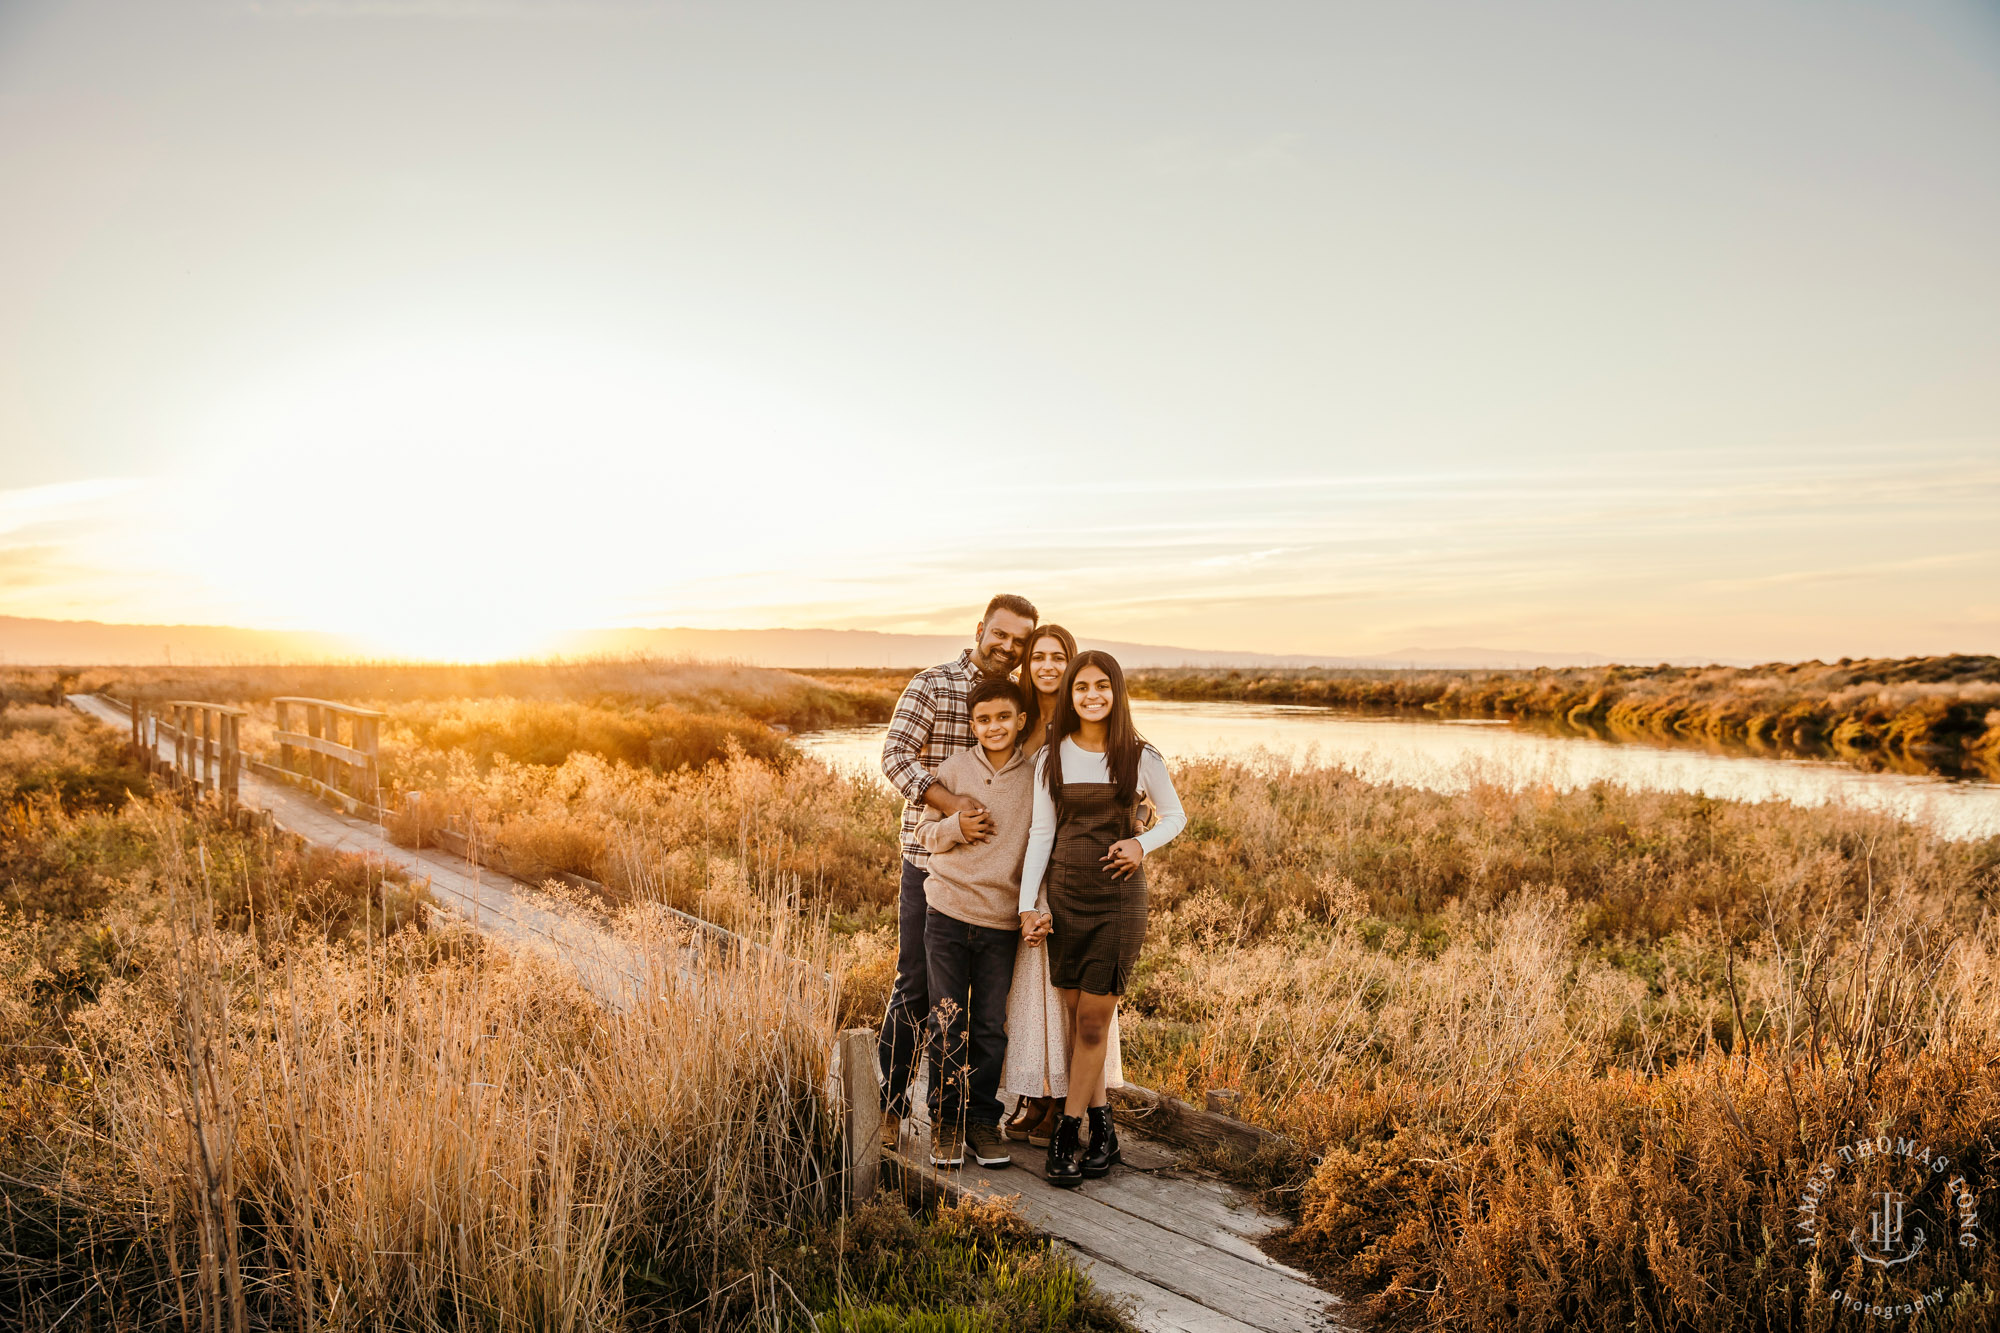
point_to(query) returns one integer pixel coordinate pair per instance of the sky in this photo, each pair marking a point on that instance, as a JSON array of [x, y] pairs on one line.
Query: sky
[[1650, 330]]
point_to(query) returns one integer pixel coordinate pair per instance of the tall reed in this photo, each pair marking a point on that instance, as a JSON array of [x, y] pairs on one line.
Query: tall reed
[[419, 1136]]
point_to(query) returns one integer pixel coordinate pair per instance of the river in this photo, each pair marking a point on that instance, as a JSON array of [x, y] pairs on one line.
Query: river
[[1448, 755]]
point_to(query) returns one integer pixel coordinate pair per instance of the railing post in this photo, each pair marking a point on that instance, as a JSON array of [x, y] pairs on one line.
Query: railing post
[[180, 744], [232, 760], [315, 761], [285, 759], [370, 740], [860, 1087], [209, 773]]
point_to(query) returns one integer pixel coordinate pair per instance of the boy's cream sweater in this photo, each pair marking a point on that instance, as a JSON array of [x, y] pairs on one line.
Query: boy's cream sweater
[[978, 882]]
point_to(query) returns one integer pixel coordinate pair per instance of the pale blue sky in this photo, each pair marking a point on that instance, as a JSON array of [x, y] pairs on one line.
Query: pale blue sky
[[1649, 330]]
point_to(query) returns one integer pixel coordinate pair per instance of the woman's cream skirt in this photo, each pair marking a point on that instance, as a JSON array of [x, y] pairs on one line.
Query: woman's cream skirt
[[1037, 1062]]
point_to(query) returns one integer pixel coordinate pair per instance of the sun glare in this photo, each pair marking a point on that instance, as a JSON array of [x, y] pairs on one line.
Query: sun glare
[[469, 498]]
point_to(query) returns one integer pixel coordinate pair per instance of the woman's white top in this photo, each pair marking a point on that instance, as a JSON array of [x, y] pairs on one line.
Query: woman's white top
[[1081, 765]]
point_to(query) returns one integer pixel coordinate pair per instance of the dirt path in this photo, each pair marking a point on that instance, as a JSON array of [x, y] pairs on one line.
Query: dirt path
[[492, 902], [1180, 1246]]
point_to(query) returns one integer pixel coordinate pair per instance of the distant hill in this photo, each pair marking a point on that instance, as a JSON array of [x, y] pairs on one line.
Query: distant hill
[[25, 642], [872, 648], [92, 643]]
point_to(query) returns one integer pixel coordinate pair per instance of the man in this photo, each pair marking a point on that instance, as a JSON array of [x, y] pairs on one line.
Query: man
[[931, 724]]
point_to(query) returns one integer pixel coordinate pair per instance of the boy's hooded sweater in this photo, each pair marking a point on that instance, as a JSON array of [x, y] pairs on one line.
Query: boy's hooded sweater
[[979, 882]]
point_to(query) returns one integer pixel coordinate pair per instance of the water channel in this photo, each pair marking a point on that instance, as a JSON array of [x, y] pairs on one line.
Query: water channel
[[1447, 755]]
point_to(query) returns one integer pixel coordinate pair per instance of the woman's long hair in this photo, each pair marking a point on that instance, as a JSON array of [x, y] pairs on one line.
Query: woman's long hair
[[1068, 642], [1122, 742]]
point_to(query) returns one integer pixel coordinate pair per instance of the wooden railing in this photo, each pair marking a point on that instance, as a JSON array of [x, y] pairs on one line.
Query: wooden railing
[[349, 772], [207, 740]]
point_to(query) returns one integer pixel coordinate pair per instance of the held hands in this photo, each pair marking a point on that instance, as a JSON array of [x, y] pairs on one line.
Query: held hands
[[1035, 927], [1124, 858], [976, 824]]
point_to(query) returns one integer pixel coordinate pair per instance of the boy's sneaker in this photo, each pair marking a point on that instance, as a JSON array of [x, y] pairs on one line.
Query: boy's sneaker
[[892, 1132], [989, 1146], [947, 1148]]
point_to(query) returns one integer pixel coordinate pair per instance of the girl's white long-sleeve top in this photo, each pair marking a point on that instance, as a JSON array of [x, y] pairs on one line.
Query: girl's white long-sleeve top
[[1081, 765]]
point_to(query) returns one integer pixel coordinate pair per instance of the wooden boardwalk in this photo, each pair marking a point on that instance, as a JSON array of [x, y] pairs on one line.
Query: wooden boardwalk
[[1179, 1246]]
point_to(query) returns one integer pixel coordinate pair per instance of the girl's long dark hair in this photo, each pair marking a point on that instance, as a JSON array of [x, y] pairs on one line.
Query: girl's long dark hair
[[1068, 642], [1122, 742]]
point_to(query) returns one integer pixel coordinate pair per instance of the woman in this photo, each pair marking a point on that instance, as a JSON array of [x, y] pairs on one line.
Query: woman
[[1091, 774], [1037, 1065]]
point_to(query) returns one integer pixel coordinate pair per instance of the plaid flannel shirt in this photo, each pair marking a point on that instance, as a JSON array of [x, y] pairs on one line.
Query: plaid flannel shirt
[[931, 725]]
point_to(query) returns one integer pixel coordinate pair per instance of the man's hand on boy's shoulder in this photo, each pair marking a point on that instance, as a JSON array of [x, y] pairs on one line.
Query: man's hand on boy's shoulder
[[975, 825]]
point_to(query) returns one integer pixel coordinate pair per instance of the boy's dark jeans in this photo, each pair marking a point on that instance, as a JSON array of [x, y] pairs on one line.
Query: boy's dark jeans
[[910, 1002], [971, 971]]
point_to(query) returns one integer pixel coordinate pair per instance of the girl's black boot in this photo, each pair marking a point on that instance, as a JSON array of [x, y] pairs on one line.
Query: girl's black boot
[[1064, 1170], [1103, 1150]]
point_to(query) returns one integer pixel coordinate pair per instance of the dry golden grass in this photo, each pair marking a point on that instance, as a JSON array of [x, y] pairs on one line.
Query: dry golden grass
[[759, 694], [471, 1138], [1566, 1059], [1563, 1058], [250, 1087]]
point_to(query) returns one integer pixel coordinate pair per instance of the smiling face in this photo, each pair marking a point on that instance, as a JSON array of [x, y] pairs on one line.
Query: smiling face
[[1092, 694], [1001, 637], [997, 724], [1047, 661]]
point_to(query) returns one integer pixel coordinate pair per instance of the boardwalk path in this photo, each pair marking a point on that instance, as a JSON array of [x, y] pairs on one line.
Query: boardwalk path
[[1180, 1245]]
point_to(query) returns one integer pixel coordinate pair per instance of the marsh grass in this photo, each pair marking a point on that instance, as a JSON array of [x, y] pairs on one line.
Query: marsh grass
[[1554, 1058], [249, 1088], [780, 698], [1567, 1058], [1918, 714]]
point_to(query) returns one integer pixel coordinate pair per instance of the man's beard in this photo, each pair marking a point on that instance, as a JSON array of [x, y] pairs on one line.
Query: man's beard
[[994, 664]]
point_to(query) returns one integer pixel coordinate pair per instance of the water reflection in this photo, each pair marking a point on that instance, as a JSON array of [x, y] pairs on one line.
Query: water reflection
[[1448, 755]]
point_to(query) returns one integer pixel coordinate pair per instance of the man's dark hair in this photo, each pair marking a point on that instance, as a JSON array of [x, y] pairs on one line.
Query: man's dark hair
[[995, 687], [1007, 601]]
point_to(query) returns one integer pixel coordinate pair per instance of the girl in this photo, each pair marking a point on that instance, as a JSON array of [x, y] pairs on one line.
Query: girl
[[1037, 1064], [1090, 776]]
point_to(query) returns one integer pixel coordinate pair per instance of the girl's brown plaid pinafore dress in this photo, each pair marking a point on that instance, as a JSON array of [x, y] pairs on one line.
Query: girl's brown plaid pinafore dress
[[1100, 922]]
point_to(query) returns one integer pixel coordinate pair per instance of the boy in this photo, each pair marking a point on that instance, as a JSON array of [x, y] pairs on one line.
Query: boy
[[972, 927]]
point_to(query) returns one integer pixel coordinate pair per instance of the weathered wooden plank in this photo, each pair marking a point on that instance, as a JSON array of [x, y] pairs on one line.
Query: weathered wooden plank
[[1174, 1120], [204, 705], [1154, 1308], [1199, 1209], [345, 754], [349, 709], [353, 806], [315, 760], [860, 1084], [1208, 1267]]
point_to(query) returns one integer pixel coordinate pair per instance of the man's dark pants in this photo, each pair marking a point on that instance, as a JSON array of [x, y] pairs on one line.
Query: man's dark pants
[[910, 1001], [971, 971]]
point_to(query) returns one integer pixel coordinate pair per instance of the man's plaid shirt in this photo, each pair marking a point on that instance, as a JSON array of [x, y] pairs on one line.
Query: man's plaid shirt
[[931, 725]]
